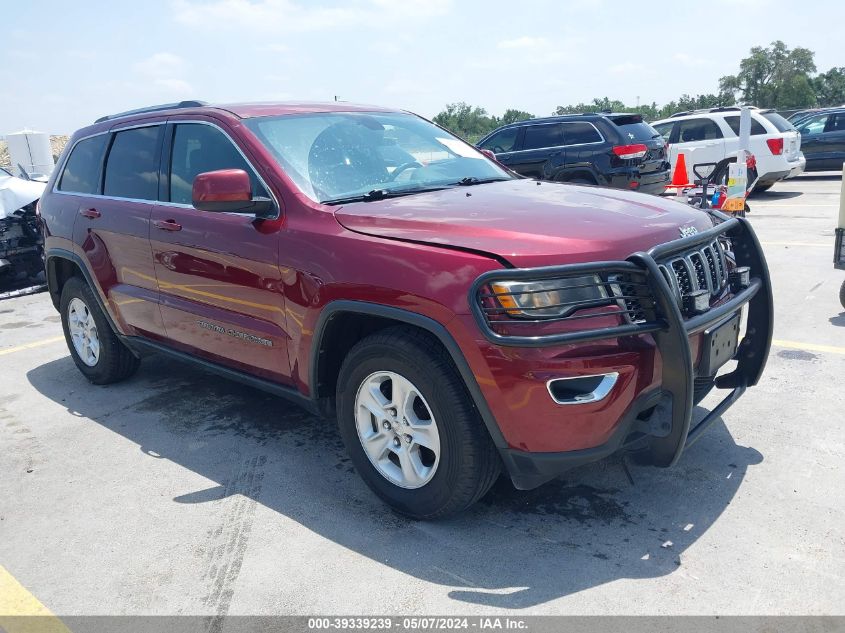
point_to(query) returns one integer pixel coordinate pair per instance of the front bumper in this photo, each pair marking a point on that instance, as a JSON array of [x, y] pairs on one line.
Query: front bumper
[[672, 334]]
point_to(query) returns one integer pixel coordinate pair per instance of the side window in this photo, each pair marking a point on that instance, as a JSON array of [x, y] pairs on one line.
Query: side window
[[132, 164], [539, 136], [693, 130], [198, 148], [501, 142], [814, 125], [580, 132], [82, 170], [756, 127], [838, 123], [664, 129]]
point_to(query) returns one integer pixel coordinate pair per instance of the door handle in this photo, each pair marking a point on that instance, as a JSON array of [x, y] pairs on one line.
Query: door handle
[[90, 213], [168, 225]]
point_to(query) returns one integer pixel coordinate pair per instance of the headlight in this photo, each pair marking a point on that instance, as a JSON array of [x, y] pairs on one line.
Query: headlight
[[551, 298]]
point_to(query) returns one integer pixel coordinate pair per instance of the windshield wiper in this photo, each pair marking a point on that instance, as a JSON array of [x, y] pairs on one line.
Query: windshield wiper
[[380, 194], [468, 181]]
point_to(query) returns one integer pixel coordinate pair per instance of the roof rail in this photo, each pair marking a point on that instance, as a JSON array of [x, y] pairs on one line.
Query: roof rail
[[684, 113], [725, 109], [155, 108]]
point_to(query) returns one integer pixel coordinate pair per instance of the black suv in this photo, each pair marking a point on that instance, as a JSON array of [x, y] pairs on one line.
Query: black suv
[[823, 139], [613, 150]]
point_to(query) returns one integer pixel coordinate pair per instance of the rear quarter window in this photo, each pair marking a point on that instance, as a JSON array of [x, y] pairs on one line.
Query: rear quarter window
[[756, 127], [82, 170], [781, 124]]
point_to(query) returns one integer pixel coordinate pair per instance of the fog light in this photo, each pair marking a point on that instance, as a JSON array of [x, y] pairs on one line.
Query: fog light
[[697, 302], [740, 278]]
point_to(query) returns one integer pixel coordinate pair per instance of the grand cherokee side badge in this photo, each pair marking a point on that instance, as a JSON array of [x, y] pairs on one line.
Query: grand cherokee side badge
[[688, 231]]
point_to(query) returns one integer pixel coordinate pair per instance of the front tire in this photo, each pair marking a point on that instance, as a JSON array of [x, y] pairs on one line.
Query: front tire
[[410, 427], [93, 345]]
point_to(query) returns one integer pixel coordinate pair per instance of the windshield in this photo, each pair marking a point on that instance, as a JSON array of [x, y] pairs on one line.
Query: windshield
[[341, 155]]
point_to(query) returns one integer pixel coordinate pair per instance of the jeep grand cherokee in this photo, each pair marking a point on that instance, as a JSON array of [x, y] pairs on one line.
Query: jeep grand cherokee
[[364, 262]]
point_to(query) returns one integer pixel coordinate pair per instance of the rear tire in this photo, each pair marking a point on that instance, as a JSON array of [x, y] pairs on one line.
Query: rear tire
[[93, 345], [461, 462]]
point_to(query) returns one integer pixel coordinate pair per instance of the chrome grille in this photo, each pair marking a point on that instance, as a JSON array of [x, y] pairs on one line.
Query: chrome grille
[[701, 269]]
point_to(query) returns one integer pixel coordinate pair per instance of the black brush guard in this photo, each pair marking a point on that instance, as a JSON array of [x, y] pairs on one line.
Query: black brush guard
[[671, 331]]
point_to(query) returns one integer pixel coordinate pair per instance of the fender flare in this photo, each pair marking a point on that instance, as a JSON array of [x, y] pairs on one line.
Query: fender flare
[[61, 253], [333, 308]]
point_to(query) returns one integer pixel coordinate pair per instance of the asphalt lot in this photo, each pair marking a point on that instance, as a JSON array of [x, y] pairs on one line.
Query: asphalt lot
[[178, 492]]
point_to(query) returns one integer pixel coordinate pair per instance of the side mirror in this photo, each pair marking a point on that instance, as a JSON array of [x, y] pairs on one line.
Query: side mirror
[[228, 190], [489, 154]]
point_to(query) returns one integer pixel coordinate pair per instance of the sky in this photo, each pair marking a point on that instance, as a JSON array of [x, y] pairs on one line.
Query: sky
[[65, 64]]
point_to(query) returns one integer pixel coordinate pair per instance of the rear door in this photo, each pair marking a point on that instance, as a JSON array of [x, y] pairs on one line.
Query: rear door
[[218, 273], [834, 141], [581, 139], [112, 228]]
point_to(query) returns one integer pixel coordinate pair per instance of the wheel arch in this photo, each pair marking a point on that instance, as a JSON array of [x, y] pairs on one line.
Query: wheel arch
[[574, 173], [340, 317], [61, 265]]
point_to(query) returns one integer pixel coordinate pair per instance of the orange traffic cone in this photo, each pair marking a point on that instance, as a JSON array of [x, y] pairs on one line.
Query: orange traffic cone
[[680, 178]]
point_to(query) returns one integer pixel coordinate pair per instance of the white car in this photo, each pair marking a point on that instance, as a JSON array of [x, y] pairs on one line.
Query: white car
[[710, 136]]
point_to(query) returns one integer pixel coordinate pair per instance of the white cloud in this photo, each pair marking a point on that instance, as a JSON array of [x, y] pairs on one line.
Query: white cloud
[[291, 16], [525, 43]]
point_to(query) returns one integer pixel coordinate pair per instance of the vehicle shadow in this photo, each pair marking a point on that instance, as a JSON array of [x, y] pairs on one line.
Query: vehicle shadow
[[514, 549], [838, 320], [825, 175], [762, 196]]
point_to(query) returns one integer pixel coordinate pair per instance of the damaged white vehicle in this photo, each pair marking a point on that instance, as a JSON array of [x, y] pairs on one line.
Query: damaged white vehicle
[[20, 238]]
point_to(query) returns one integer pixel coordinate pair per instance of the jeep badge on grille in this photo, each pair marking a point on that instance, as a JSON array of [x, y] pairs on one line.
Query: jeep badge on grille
[[688, 231]]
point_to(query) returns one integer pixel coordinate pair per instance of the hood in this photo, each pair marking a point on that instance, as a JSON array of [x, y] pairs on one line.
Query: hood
[[16, 193], [529, 223]]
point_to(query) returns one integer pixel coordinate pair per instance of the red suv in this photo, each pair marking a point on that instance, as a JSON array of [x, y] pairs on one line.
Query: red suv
[[458, 319]]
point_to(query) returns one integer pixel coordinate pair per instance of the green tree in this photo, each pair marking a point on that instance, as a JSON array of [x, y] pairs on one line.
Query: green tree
[[468, 122], [830, 87], [512, 116], [773, 77], [472, 122]]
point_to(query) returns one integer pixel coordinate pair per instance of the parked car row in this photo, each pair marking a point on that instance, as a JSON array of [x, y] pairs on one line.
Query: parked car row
[[822, 138], [613, 150], [621, 150]]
